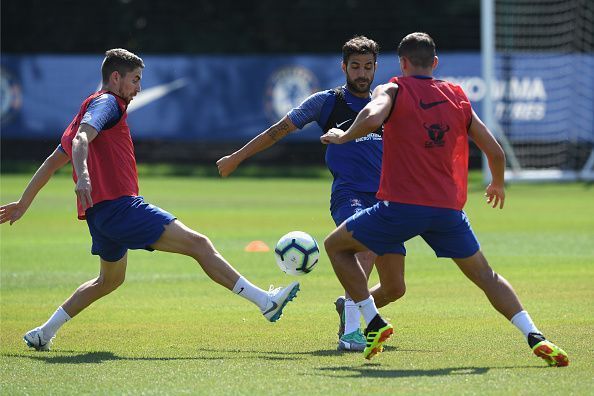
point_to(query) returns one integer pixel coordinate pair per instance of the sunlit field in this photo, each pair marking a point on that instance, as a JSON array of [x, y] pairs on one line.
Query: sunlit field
[[171, 330]]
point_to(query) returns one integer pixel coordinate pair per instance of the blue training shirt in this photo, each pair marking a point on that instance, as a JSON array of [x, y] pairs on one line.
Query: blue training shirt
[[355, 165], [103, 113]]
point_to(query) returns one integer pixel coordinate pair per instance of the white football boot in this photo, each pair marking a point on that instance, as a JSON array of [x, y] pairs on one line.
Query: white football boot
[[277, 299], [35, 339]]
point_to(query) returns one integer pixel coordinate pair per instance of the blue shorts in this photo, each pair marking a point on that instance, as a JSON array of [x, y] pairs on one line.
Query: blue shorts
[[125, 223], [385, 227], [345, 203]]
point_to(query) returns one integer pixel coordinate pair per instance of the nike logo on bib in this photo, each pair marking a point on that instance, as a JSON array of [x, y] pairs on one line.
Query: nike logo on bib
[[429, 105], [342, 123]]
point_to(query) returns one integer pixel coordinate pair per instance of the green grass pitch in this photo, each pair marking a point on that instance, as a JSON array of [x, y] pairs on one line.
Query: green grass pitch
[[170, 330]]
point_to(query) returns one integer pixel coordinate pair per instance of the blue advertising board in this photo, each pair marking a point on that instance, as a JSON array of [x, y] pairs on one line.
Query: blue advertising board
[[233, 98]]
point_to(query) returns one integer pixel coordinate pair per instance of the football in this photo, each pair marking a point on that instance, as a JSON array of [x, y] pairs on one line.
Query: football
[[297, 253]]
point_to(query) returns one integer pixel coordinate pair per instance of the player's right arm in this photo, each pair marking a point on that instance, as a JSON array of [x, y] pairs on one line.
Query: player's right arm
[[80, 151], [369, 119], [269, 137], [15, 210], [308, 111]]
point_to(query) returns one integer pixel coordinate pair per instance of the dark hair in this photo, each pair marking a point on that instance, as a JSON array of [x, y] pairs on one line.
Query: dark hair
[[419, 48], [359, 45], [120, 60]]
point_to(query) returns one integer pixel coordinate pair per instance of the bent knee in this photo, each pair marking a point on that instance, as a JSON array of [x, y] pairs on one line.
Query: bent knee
[[333, 244], [366, 258], [107, 285], [201, 245], [484, 277], [394, 292], [328, 244]]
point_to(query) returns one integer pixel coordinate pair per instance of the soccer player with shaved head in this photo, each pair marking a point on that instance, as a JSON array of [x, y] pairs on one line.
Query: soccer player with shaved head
[[423, 188]]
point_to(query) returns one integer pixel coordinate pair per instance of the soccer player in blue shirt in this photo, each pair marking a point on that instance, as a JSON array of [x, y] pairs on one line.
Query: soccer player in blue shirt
[[355, 166]]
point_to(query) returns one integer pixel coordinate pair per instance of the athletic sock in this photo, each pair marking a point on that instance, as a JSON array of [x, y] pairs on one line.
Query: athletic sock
[[368, 309], [250, 292], [524, 323], [352, 317], [50, 328]]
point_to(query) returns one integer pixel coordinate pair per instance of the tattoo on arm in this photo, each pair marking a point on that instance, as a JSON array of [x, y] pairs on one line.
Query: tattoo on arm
[[278, 131]]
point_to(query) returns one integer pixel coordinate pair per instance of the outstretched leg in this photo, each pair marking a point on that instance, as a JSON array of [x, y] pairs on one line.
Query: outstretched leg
[[505, 300], [497, 289], [178, 238]]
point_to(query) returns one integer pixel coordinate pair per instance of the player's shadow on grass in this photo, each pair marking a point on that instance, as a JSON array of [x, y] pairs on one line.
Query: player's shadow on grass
[[279, 355], [334, 352], [374, 371], [95, 357]]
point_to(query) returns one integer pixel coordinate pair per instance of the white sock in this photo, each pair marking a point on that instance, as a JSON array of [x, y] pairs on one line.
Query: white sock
[[524, 323], [352, 317], [368, 309], [50, 328], [247, 290]]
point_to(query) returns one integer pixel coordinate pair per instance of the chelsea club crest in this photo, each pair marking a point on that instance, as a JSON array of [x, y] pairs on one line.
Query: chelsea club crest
[[287, 87]]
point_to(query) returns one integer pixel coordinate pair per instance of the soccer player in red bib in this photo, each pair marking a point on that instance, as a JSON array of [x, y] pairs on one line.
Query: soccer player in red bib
[[98, 144], [422, 191]]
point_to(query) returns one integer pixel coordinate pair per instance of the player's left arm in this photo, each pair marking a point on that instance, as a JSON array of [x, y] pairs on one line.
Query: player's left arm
[[80, 151], [369, 119], [15, 210], [484, 139]]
